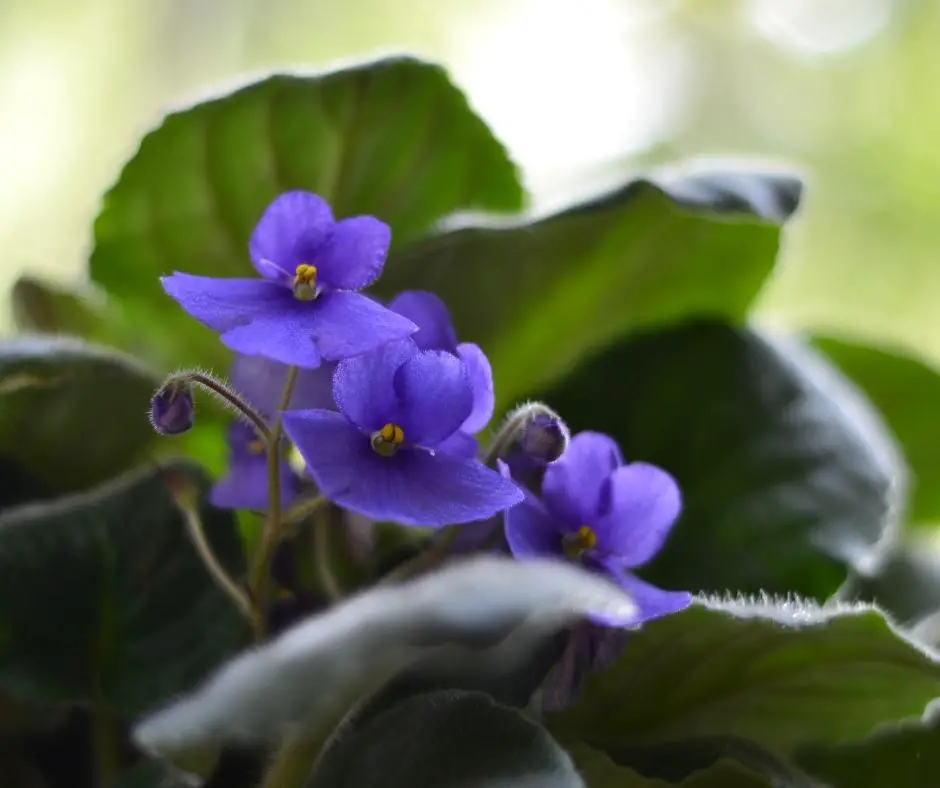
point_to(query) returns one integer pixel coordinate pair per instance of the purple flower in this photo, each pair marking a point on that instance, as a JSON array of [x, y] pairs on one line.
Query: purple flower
[[260, 382], [379, 456], [608, 516], [304, 309], [436, 332]]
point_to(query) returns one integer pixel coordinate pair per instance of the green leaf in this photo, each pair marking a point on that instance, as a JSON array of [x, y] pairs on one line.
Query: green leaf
[[900, 756], [779, 674], [786, 478], [72, 414], [488, 606], [537, 295], [448, 739], [392, 137], [40, 306], [104, 599], [906, 390], [155, 774], [906, 584], [675, 761], [599, 771]]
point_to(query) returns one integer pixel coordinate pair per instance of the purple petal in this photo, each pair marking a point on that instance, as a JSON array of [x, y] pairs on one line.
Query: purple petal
[[434, 390], [223, 304], [348, 324], [289, 227], [644, 503], [284, 337], [430, 314], [481, 381], [261, 381], [459, 445], [573, 484], [652, 602], [531, 531], [412, 488], [353, 256], [364, 385]]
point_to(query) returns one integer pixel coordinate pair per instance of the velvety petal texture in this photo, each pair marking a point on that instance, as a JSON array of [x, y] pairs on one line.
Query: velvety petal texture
[[573, 484], [324, 319], [292, 225], [606, 515], [481, 382], [434, 394], [414, 487], [430, 314], [364, 385], [261, 382]]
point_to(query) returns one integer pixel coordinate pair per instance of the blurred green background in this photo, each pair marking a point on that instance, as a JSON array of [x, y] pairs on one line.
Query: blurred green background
[[582, 91]]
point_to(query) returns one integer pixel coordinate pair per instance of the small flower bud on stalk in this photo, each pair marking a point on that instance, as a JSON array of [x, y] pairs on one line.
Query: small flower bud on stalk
[[172, 409], [532, 434]]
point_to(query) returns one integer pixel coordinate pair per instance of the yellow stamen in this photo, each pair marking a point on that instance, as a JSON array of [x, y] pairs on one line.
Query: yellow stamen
[[580, 541], [387, 441], [305, 282], [256, 447]]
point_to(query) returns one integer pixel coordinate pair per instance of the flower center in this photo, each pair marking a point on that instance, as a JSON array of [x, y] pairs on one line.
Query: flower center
[[305, 282], [255, 447], [577, 543], [387, 441]]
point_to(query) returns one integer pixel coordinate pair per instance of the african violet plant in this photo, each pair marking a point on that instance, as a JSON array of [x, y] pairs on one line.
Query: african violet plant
[[365, 563]]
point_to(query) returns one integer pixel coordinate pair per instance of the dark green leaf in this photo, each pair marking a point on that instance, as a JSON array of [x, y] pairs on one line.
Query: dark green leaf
[[155, 774], [787, 479], [537, 295], [392, 137], [907, 391], [899, 756], [778, 674], [312, 674], [72, 414], [103, 598], [448, 739], [43, 307], [599, 771], [906, 584], [675, 761]]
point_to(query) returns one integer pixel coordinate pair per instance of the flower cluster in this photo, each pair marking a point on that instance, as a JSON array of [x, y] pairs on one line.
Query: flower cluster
[[376, 408]]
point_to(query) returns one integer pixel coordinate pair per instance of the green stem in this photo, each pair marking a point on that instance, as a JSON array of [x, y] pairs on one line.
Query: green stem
[[259, 580], [322, 532], [106, 741], [430, 558]]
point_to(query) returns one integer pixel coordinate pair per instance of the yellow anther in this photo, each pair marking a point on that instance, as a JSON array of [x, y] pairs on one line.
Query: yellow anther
[[305, 282], [255, 447], [581, 540], [386, 441]]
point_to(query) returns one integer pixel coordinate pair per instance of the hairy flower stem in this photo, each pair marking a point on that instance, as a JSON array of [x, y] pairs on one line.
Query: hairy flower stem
[[259, 580], [226, 395], [435, 555]]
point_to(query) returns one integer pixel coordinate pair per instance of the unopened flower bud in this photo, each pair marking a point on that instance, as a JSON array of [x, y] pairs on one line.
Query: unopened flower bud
[[172, 408], [544, 437]]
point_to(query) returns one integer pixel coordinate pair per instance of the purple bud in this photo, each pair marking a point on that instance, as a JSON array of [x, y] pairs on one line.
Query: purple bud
[[544, 437], [172, 408]]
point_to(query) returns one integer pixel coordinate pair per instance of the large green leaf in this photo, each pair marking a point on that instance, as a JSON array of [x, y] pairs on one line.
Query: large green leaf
[[900, 756], [103, 598], [392, 137], [599, 771], [780, 674], [786, 478], [536, 295], [72, 414], [310, 676], [907, 392], [448, 740]]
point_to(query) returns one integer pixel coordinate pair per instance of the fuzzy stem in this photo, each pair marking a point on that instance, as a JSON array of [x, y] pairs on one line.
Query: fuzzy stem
[[222, 579], [259, 579], [322, 533], [435, 555], [226, 395]]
